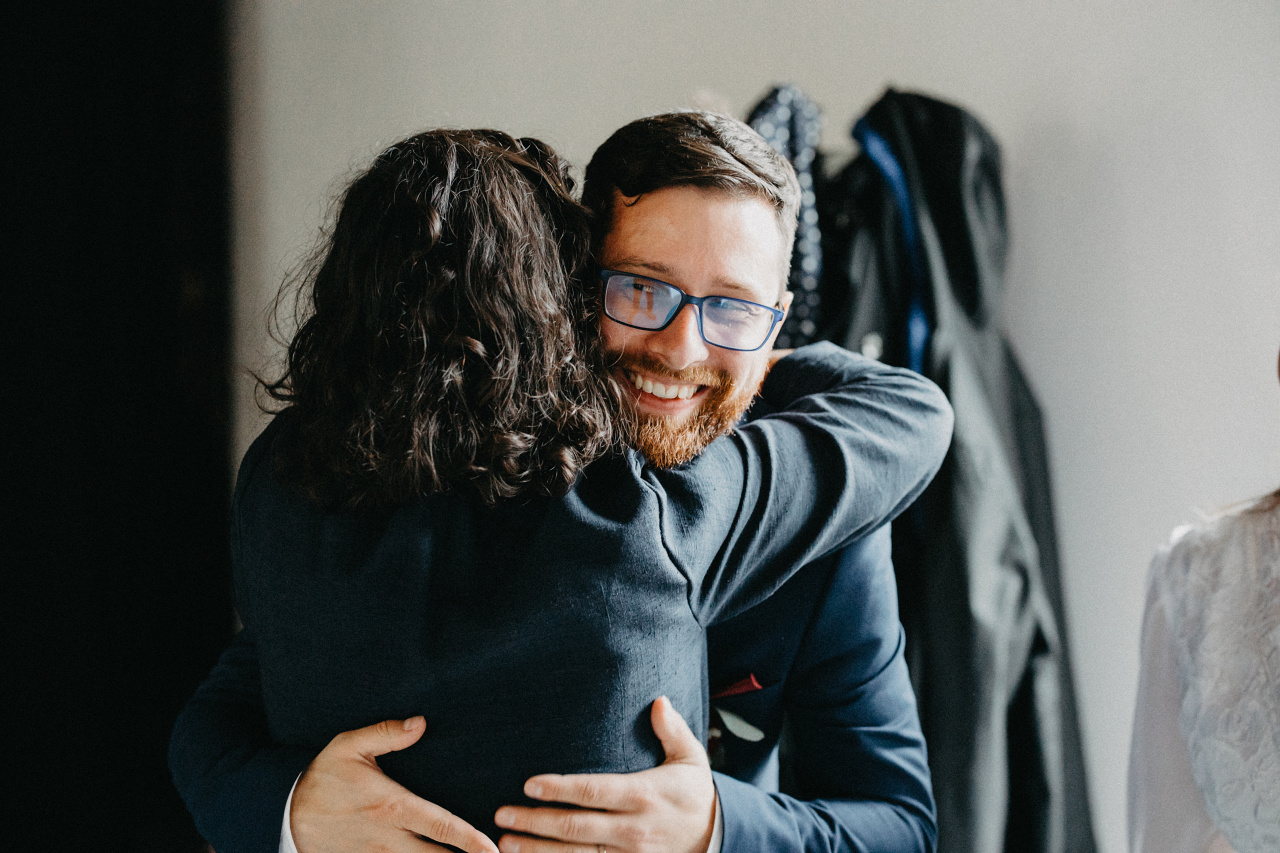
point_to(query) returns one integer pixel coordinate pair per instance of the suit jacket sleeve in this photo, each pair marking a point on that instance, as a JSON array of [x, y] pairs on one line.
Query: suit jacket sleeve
[[234, 780], [852, 442], [858, 760]]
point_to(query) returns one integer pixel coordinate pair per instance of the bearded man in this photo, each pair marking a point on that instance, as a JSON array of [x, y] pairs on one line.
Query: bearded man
[[694, 220], [687, 209]]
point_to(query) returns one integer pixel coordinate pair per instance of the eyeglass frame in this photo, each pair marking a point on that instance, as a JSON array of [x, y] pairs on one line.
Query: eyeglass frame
[[686, 299]]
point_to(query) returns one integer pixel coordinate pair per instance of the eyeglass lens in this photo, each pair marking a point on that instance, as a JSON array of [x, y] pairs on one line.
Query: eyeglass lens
[[650, 304]]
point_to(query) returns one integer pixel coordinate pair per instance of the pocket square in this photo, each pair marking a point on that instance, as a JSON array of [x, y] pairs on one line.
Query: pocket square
[[744, 685], [740, 727]]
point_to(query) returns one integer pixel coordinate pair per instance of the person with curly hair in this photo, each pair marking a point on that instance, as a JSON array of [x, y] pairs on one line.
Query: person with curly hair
[[450, 346], [458, 563]]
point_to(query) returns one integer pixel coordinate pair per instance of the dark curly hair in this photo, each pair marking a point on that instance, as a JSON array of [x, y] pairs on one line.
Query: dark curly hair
[[450, 343]]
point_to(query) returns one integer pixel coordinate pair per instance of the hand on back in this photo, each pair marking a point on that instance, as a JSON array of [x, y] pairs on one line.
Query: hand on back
[[669, 809], [344, 802]]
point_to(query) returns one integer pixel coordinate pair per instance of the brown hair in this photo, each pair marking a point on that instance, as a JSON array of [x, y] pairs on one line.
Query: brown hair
[[449, 343], [698, 149]]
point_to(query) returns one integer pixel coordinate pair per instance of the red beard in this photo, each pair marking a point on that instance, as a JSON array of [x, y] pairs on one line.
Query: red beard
[[667, 442]]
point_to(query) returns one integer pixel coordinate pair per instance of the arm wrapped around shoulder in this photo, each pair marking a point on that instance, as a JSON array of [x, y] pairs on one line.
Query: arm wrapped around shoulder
[[898, 416], [848, 443]]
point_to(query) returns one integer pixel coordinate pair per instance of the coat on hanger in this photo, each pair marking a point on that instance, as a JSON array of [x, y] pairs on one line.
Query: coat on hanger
[[915, 242]]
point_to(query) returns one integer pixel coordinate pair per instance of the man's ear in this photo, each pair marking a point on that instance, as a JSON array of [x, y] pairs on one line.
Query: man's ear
[[785, 302]]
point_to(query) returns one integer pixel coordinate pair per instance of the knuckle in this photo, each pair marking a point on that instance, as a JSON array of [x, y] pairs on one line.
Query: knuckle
[[438, 828], [389, 812], [300, 827], [574, 825], [590, 791], [595, 792], [641, 836], [644, 797]]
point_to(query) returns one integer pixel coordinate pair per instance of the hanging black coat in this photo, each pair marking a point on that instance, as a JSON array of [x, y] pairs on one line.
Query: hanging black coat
[[914, 259]]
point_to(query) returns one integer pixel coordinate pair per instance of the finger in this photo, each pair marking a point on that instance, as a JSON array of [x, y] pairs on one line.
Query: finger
[[422, 845], [435, 824], [679, 742], [607, 791], [568, 825], [381, 738], [526, 844]]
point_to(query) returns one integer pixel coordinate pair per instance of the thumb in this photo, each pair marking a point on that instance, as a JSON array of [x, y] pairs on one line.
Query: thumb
[[680, 744], [384, 737]]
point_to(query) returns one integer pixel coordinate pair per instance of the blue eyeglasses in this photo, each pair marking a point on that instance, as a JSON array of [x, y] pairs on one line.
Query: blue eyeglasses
[[646, 303]]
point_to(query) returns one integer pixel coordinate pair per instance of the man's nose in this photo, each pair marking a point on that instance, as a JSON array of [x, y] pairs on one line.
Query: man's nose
[[680, 344]]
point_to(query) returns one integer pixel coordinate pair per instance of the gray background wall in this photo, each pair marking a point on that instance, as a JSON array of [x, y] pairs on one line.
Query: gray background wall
[[1142, 154]]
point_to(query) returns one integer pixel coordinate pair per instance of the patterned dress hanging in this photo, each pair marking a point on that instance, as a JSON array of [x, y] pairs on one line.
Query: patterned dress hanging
[[791, 123]]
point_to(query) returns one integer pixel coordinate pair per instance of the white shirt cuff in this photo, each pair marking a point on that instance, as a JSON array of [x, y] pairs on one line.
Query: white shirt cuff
[[717, 831], [286, 834]]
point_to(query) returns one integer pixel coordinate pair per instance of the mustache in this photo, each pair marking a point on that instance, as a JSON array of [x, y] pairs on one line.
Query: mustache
[[689, 376]]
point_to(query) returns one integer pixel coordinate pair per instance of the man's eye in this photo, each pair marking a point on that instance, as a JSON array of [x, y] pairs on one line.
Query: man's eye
[[732, 311]]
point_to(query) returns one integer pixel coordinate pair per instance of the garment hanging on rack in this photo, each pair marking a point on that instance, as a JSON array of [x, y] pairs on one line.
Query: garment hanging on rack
[[914, 247], [791, 123]]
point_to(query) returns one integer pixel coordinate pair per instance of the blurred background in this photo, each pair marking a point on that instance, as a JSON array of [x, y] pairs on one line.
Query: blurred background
[[172, 166]]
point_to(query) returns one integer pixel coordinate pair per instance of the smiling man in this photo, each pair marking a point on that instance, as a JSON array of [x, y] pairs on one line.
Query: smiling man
[[691, 373], [695, 218]]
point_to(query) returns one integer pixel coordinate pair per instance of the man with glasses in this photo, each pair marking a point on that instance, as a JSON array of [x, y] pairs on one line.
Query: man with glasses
[[694, 221], [693, 234], [683, 417]]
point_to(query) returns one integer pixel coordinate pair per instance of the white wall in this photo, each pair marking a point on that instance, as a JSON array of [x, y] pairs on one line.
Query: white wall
[[1142, 151]]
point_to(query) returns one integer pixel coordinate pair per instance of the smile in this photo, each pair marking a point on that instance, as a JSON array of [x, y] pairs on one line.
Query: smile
[[661, 391]]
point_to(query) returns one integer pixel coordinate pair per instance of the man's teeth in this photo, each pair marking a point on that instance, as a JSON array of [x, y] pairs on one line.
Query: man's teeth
[[665, 392]]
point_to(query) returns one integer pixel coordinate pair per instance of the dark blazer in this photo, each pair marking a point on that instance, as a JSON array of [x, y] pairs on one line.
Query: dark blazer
[[827, 653], [534, 636], [826, 650]]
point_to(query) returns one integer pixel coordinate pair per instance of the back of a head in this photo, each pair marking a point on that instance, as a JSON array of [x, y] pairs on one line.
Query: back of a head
[[450, 345], [692, 148]]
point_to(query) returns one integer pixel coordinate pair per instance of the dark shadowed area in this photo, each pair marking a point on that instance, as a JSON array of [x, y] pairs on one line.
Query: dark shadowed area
[[115, 273]]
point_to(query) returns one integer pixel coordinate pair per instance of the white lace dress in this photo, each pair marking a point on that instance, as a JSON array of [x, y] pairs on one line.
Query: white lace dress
[[1204, 770]]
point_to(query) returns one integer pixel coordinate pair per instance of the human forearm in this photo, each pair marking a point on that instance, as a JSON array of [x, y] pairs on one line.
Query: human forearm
[[894, 425], [757, 821], [847, 444], [855, 748], [234, 780]]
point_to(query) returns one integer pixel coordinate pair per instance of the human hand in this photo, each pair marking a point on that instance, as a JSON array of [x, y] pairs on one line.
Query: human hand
[[669, 809], [344, 802]]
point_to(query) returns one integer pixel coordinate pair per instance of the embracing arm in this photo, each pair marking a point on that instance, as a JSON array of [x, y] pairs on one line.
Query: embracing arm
[[856, 753], [850, 443], [863, 784], [234, 780]]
